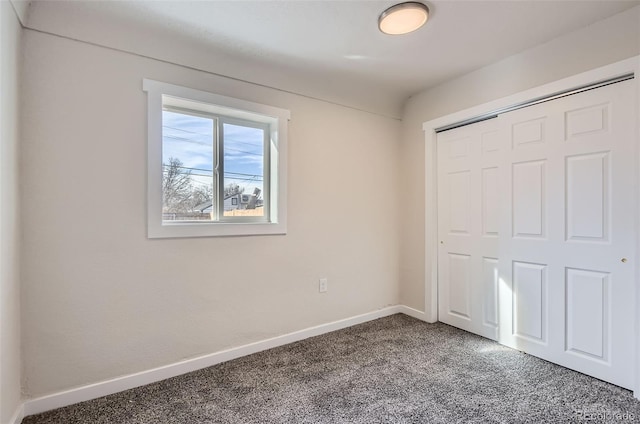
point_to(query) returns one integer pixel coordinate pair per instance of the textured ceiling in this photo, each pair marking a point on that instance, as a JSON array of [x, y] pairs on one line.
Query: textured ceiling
[[302, 45]]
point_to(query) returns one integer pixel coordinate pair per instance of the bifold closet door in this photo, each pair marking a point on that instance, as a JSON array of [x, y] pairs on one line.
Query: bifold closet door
[[537, 230]]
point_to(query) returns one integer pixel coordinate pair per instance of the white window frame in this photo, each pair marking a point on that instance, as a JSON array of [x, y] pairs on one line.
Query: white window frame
[[159, 95]]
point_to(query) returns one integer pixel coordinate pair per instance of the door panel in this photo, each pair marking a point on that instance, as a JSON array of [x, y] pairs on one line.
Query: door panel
[[460, 285], [491, 284], [530, 301], [529, 199], [587, 307], [587, 210], [490, 198], [528, 132], [459, 202], [586, 121]]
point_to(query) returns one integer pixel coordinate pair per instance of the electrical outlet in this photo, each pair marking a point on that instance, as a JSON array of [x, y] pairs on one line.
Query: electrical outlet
[[323, 285]]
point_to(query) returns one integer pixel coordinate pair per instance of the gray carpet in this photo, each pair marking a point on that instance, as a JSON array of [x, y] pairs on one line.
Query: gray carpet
[[392, 370]]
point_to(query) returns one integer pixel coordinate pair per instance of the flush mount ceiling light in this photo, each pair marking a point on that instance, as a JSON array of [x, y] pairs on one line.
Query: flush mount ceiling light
[[403, 18]]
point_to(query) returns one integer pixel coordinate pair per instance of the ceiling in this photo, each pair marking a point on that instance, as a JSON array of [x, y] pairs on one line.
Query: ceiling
[[331, 50]]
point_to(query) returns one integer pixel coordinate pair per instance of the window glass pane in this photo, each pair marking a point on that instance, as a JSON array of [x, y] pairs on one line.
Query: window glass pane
[[187, 167], [243, 170]]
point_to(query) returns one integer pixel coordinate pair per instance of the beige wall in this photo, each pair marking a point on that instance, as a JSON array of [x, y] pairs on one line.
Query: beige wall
[[100, 300], [604, 42], [10, 362]]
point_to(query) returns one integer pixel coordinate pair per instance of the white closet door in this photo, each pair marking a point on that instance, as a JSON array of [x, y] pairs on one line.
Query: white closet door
[[559, 274], [469, 197]]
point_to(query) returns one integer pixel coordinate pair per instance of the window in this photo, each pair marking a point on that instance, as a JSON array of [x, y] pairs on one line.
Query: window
[[216, 165], [207, 161]]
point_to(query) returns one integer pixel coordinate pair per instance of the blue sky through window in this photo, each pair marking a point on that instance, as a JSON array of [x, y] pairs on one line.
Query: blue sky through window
[[243, 156], [189, 138]]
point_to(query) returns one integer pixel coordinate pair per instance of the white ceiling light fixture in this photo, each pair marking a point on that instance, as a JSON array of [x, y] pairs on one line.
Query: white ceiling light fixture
[[403, 18]]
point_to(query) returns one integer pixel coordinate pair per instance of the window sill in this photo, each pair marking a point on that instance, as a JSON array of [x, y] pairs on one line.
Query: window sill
[[215, 229]]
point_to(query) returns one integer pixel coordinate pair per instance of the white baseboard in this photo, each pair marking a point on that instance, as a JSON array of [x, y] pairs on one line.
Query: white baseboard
[[18, 415], [415, 313], [104, 388]]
